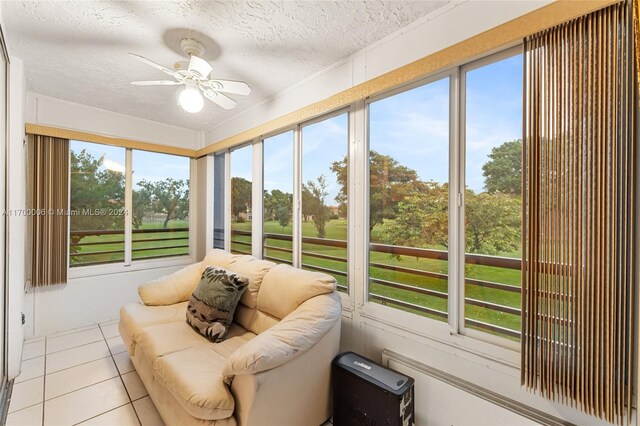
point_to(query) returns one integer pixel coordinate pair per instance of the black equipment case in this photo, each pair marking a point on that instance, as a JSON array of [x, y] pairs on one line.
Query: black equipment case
[[367, 393]]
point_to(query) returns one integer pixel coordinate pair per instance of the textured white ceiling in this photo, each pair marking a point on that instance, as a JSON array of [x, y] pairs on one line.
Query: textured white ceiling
[[77, 51]]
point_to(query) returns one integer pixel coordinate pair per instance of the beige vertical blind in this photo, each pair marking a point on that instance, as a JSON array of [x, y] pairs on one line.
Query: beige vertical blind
[[49, 201], [578, 255]]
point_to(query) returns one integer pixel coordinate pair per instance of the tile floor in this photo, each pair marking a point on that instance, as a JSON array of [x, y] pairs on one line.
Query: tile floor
[[81, 376]]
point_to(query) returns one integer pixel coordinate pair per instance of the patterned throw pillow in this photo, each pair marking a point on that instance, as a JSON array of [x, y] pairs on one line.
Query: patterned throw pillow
[[212, 304]]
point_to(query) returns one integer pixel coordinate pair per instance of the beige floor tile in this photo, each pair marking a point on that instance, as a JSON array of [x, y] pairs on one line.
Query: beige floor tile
[[72, 331], [121, 416], [134, 385], [123, 362], [26, 394], [109, 322], [72, 340], [116, 345], [85, 403], [76, 356], [110, 330], [30, 369], [30, 416], [33, 350], [147, 412], [34, 339], [74, 378]]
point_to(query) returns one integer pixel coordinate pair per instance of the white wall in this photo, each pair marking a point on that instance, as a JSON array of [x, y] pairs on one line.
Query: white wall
[[444, 27], [16, 230], [49, 111]]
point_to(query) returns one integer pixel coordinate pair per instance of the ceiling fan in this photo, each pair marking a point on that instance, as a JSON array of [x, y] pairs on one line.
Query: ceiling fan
[[195, 74]]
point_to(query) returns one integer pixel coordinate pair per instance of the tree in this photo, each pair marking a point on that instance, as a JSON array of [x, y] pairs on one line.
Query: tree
[[94, 188], [273, 201], [316, 194], [390, 183], [421, 219], [492, 222], [169, 197], [240, 196], [283, 214], [503, 171]]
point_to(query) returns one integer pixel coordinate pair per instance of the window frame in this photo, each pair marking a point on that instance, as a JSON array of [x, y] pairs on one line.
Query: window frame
[[130, 265], [452, 332]]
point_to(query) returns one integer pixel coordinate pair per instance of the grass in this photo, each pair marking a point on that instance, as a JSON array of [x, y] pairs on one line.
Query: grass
[[159, 247], [337, 229]]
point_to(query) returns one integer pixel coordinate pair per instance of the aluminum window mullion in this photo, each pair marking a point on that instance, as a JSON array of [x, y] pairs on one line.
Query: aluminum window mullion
[[257, 195], [297, 197], [128, 206], [227, 200], [456, 188]]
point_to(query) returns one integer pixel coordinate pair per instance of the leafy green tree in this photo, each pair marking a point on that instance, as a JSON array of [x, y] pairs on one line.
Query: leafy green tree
[[141, 206], [315, 193], [169, 197], [503, 171], [493, 222], [240, 196], [273, 201], [283, 215], [390, 183], [94, 188]]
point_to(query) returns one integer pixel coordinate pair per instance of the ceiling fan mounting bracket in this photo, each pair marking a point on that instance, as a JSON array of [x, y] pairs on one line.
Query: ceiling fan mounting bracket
[[192, 47]]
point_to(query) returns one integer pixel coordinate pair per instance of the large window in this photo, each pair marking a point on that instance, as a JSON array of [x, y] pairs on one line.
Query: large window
[[324, 197], [492, 197], [160, 207], [158, 219], [241, 199], [97, 197], [409, 199], [277, 202]]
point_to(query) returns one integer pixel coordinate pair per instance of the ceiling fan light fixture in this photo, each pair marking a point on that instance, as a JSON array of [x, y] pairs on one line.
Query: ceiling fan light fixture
[[190, 98]]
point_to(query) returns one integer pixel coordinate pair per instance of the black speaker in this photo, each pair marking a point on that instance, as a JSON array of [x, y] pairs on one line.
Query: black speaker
[[367, 393]]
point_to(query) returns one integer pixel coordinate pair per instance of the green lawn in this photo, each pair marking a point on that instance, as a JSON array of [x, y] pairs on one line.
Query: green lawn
[[161, 244], [337, 229]]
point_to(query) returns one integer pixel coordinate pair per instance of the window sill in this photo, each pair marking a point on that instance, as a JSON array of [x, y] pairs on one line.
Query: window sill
[[430, 331], [118, 268]]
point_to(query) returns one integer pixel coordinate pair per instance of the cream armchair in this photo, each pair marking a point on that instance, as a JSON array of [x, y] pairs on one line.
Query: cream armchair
[[274, 368]]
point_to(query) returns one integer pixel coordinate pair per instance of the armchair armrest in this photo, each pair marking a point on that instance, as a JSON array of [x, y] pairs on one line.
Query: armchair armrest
[[172, 288], [291, 337]]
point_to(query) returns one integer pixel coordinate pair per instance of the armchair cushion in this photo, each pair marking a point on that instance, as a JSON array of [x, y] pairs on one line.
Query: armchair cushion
[[172, 288], [296, 333]]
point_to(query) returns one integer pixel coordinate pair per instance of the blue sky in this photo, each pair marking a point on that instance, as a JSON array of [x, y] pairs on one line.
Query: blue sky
[[146, 165]]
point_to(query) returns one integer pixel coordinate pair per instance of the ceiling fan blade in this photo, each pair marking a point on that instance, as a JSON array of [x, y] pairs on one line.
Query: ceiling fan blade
[[220, 99], [153, 64], [156, 83], [230, 86], [200, 66]]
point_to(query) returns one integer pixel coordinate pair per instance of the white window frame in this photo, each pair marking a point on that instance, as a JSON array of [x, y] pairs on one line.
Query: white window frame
[[130, 265], [451, 332]]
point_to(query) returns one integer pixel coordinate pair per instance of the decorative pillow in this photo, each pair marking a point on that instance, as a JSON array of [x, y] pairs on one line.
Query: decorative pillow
[[212, 304]]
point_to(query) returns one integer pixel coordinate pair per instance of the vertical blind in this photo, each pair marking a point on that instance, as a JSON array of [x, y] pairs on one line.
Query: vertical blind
[[49, 158], [578, 253]]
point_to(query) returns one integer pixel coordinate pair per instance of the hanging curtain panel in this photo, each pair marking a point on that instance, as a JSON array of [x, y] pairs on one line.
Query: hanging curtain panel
[[578, 256], [49, 201]]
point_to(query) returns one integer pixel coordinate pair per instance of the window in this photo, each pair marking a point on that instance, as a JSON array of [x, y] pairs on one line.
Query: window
[[436, 199], [277, 203], [409, 200], [99, 220], [492, 198], [97, 197], [324, 197], [218, 200], [241, 197], [160, 205]]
